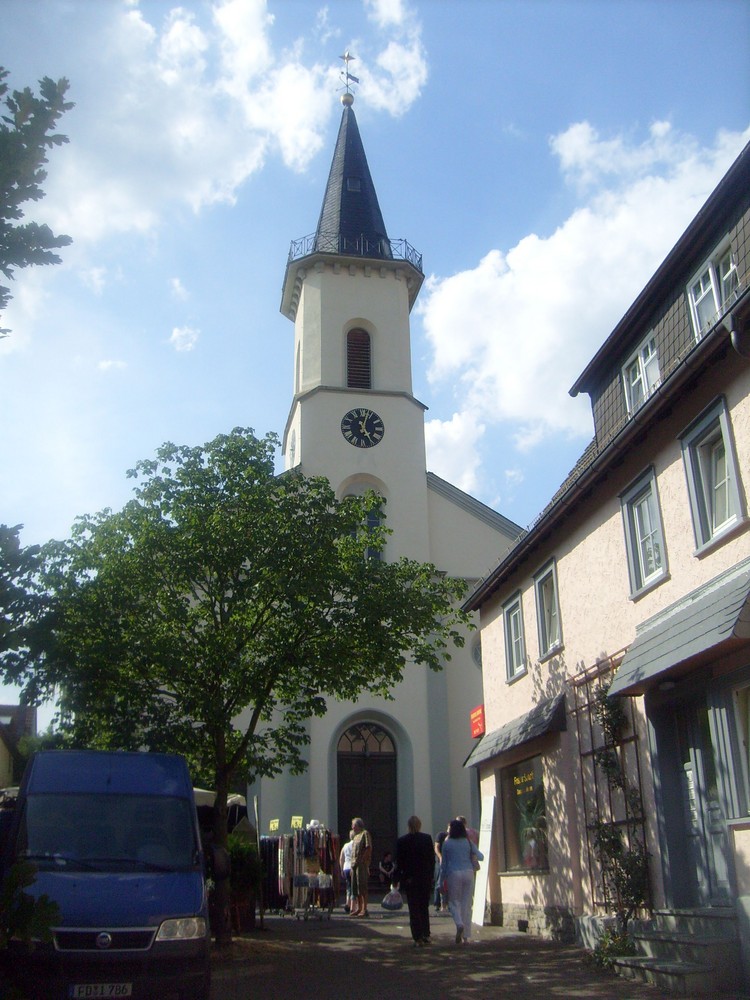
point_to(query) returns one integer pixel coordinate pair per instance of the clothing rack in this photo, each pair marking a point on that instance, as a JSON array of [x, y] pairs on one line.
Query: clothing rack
[[301, 872]]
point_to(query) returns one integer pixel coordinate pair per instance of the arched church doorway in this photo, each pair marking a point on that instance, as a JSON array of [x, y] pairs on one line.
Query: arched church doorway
[[366, 764]]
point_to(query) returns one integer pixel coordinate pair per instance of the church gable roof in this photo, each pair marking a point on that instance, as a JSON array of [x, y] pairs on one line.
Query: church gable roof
[[474, 507], [350, 220]]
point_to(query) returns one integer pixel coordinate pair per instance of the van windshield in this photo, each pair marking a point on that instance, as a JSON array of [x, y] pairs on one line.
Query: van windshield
[[109, 831]]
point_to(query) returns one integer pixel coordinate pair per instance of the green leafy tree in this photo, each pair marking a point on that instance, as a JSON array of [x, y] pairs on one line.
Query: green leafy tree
[[21, 609], [26, 134], [219, 609], [18, 568]]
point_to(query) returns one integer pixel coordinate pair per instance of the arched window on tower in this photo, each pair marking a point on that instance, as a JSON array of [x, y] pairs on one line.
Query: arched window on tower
[[373, 517], [358, 360], [373, 521]]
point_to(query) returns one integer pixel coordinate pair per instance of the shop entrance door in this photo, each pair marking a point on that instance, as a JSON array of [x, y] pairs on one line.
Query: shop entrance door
[[366, 763], [703, 816]]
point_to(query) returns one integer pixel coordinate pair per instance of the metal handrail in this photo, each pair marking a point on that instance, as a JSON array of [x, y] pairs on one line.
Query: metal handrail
[[361, 246]]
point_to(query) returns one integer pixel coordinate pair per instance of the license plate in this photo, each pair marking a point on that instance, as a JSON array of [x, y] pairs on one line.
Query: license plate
[[101, 990]]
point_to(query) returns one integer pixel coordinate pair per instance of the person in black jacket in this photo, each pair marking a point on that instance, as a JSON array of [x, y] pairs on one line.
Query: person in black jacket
[[415, 867]]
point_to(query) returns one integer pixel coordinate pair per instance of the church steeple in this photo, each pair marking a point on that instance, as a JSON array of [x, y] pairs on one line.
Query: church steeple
[[350, 220], [351, 230]]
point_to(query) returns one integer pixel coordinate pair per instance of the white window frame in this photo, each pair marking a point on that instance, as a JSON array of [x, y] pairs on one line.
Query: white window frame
[[640, 373], [515, 640], [712, 288], [712, 475], [644, 535], [549, 624]]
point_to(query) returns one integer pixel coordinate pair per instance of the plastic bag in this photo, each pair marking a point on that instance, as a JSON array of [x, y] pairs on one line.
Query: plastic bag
[[392, 900]]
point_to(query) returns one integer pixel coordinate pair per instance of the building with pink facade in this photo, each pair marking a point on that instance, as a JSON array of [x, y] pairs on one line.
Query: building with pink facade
[[616, 633]]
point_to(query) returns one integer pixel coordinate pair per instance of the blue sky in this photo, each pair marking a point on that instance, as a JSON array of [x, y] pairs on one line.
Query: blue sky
[[543, 156]]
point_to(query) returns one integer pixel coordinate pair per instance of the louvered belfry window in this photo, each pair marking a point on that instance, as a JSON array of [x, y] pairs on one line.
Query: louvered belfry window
[[358, 367]]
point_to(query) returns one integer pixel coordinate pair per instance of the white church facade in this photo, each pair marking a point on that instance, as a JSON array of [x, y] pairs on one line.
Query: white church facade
[[349, 291]]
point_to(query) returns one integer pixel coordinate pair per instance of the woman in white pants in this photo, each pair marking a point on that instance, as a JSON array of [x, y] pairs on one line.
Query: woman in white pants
[[457, 869]]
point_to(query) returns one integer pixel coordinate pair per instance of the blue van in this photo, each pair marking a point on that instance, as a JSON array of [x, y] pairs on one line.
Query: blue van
[[115, 841]]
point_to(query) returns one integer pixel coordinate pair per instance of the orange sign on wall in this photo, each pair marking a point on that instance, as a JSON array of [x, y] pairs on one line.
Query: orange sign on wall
[[477, 721]]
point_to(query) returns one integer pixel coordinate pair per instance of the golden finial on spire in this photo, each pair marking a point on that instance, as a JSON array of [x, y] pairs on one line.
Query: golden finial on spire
[[346, 76]]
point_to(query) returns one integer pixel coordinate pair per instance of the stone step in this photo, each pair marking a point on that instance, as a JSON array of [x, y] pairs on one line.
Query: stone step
[[711, 922], [680, 978], [723, 953]]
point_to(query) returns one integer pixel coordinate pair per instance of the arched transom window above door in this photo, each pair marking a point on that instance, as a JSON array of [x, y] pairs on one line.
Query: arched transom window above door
[[366, 738], [358, 359]]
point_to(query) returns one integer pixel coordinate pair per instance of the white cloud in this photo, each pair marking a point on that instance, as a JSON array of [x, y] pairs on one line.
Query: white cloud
[[404, 66], [388, 13], [513, 333], [453, 447], [394, 80], [323, 27], [245, 46], [94, 278], [181, 48], [178, 289], [111, 365], [29, 298], [586, 158], [514, 478], [184, 338], [186, 109]]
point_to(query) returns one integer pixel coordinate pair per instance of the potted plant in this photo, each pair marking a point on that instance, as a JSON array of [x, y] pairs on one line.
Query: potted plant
[[532, 829], [244, 881]]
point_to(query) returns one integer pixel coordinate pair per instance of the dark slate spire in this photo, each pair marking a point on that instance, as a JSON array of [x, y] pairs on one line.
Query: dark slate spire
[[350, 220]]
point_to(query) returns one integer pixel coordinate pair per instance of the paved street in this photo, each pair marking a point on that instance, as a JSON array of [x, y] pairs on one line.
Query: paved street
[[331, 959]]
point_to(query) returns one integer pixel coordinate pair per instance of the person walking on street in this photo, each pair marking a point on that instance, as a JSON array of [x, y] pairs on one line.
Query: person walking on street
[[361, 859], [458, 870], [471, 833], [415, 869], [441, 896]]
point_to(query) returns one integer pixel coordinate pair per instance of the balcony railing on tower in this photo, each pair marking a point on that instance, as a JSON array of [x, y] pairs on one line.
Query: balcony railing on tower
[[360, 246]]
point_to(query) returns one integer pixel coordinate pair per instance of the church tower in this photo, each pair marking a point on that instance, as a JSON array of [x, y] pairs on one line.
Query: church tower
[[349, 289]]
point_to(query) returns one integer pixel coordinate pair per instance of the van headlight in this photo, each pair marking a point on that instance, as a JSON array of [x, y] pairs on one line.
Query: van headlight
[[182, 929]]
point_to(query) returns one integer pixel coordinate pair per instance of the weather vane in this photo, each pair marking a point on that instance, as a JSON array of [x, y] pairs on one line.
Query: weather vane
[[346, 76]]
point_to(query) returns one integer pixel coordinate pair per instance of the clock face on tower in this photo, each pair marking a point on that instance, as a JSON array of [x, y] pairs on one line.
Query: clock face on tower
[[362, 428]]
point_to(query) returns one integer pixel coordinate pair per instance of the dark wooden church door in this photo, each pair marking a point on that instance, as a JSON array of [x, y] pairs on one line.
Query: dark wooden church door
[[366, 761]]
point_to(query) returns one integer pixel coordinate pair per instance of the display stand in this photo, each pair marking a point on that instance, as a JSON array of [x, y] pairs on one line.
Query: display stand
[[315, 871], [301, 873]]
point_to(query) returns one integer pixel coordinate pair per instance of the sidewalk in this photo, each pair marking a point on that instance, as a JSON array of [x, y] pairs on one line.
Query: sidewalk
[[328, 959]]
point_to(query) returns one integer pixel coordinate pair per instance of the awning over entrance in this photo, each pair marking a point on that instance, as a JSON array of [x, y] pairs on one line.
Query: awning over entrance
[[715, 615], [546, 717]]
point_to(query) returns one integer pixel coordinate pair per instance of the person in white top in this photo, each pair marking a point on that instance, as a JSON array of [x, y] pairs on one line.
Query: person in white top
[[345, 863], [457, 869]]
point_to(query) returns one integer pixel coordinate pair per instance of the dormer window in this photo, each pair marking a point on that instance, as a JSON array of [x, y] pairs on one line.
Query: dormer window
[[358, 361], [712, 289], [640, 375], [353, 184]]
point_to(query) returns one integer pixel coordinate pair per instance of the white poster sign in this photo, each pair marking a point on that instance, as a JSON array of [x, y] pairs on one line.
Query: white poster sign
[[485, 845]]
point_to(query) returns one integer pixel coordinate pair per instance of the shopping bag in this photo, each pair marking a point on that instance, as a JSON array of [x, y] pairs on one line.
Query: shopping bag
[[392, 900]]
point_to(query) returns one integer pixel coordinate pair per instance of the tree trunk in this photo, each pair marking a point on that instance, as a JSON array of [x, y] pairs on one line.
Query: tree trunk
[[222, 894]]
